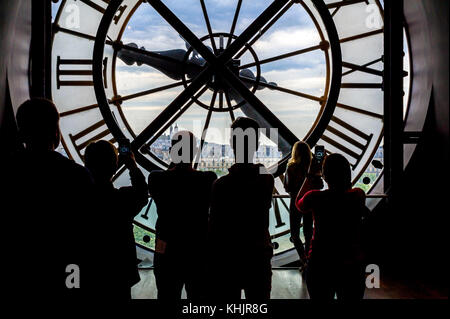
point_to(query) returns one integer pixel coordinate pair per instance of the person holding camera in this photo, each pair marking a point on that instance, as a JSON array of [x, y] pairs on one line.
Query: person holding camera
[[335, 263], [116, 261]]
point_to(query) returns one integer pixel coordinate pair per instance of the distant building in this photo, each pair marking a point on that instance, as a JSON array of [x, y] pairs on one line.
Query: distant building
[[214, 157]]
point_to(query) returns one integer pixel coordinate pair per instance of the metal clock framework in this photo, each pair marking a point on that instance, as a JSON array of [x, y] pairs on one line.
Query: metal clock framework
[[220, 71]]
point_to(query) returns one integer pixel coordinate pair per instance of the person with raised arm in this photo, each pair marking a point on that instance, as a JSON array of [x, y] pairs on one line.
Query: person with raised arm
[[335, 265]]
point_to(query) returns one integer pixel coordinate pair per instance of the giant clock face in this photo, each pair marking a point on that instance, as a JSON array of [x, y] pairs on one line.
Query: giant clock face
[[310, 69]]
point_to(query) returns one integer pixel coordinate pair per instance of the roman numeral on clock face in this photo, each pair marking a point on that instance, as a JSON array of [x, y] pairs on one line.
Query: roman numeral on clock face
[[76, 72], [96, 131], [343, 3], [347, 133], [365, 69], [277, 212]]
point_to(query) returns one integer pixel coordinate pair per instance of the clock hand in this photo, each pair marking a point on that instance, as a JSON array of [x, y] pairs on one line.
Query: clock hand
[[247, 73], [171, 62]]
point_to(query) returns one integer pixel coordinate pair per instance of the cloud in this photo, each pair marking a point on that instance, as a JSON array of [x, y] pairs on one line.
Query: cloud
[[299, 79], [286, 40]]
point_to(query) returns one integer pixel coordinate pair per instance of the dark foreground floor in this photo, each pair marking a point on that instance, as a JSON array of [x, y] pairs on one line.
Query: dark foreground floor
[[288, 284]]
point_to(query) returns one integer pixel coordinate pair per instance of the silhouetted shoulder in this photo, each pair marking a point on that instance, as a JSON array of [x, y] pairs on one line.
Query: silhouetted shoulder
[[291, 169], [308, 200], [156, 174], [221, 180], [209, 176], [154, 178], [358, 193], [79, 170], [265, 175], [313, 194]]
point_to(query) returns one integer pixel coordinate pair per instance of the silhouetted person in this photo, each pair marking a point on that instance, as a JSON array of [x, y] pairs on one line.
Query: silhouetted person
[[335, 263], [43, 197], [296, 171], [182, 197], [115, 211], [241, 248]]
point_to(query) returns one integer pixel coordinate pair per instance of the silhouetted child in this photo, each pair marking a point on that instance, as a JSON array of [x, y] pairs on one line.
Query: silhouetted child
[[182, 197], [115, 211], [335, 263], [240, 242]]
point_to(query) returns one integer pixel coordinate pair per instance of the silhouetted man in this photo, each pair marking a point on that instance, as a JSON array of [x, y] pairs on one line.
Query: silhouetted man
[[115, 211], [182, 197], [44, 204], [239, 221]]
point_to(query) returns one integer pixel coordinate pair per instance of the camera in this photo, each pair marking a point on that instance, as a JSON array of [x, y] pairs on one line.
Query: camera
[[319, 153], [124, 146]]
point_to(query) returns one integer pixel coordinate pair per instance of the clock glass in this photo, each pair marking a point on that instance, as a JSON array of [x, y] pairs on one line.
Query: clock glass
[[310, 69]]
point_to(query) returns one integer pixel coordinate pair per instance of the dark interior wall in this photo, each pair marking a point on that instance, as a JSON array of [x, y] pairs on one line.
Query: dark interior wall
[[409, 236], [15, 35], [437, 13], [6, 23]]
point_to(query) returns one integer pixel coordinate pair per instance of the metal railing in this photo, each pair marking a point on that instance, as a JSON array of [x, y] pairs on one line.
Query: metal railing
[[367, 196]]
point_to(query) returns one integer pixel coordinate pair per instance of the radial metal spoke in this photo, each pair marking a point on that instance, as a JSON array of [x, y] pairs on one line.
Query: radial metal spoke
[[251, 30], [282, 89], [147, 92], [234, 47], [176, 116], [233, 24], [221, 99], [208, 26], [183, 30], [205, 128], [267, 27], [259, 106], [283, 56], [227, 98], [172, 108]]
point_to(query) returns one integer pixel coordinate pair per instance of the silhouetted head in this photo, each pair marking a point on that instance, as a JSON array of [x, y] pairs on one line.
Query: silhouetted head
[[184, 147], [244, 139], [38, 123], [101, 160], [337, 172], [301, 155]]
